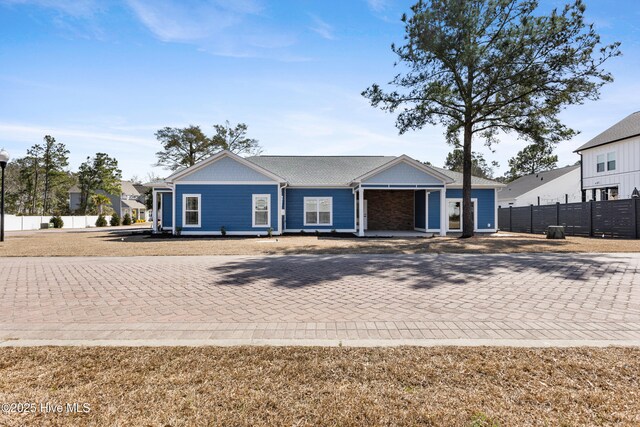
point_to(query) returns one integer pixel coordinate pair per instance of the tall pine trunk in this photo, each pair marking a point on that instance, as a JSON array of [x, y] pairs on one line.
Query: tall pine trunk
[[467, 217]]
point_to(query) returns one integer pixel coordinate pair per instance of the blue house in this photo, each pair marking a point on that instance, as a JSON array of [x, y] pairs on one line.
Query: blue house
[[288, 194]]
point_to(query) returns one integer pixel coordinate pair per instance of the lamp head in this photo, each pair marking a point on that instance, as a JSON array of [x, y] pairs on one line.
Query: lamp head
[[4, 158]]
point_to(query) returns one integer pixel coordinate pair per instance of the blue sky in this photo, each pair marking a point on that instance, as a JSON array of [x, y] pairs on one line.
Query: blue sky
[[105, 75]]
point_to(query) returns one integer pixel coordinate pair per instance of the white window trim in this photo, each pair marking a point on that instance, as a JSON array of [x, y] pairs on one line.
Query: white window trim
[[604, 162], [253, 210], [184, 211], [615, 161], [475, 215], [317, 198]]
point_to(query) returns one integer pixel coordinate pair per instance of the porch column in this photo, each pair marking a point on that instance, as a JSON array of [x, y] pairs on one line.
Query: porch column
[[154, 211], [361, 212], [443, 212], [280, 207]]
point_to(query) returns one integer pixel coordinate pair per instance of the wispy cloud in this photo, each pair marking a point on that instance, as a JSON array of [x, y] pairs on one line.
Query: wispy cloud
[[219, 27], [31, 132], [133, 150], [74, 8], [378, 5], [322, 28], [76, 19]]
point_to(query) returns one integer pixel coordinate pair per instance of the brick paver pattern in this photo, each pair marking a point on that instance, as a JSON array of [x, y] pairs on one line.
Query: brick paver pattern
[[448, 296]]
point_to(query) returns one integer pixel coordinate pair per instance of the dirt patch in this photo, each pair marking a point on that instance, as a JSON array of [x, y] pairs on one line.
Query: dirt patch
[[324, 386], [118, 243]]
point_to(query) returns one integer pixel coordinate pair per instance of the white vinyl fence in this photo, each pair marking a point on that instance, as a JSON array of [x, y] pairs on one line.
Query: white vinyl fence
[[18, 223]]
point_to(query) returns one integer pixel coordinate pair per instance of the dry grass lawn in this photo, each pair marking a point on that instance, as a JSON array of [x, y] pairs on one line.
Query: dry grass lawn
[[325, 386], [121, 243]]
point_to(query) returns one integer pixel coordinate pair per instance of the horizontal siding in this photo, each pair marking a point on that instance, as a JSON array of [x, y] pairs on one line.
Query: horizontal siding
[[486, 205], [419, 209], [226, 169], [343, 208], [402, 173], [167, 213], [228, 206]]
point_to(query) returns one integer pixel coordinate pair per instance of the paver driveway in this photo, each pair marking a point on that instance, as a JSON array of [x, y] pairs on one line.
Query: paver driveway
[[360, 297]]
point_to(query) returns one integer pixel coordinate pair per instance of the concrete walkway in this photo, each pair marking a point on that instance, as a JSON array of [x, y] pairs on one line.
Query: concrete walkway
[[520, 299]]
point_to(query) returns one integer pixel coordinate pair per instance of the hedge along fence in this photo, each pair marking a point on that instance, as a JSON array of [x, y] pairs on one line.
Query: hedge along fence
[[610, 218], [19, 223]]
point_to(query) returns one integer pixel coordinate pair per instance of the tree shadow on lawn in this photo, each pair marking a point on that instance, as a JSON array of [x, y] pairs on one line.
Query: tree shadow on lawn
[[436, 245], [377, 245], [420, 271]]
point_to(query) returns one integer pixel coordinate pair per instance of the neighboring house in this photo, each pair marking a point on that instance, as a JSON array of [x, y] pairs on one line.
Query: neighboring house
[[128, 202], [611, 162], [560, 185], [351, 194], [142, 190]]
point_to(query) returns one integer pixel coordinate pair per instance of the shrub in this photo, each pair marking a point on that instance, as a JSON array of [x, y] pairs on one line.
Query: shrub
[[270, 232], [126, 220], [317, 233], [178, 231], [56, 221], [101, 221], [223, 231], [115, 220]]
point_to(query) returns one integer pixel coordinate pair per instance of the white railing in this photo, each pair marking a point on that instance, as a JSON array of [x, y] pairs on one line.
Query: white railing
[[19, 223]]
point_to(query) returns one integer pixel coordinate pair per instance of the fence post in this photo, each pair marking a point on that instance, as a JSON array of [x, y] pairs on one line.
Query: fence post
[[590, 218], [557, 213], [531, 218], [635, 216]]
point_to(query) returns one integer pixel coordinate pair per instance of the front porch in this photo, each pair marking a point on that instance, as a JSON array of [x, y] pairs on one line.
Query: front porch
[[400, 211]]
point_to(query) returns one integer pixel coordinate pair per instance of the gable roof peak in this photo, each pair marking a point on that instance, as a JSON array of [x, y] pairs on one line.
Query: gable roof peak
[[625, 128]]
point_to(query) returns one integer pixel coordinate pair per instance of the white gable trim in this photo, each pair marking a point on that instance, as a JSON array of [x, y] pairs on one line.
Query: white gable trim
[[411, 162], [221, 155]]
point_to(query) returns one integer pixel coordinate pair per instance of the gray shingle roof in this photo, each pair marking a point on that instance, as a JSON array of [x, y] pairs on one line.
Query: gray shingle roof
[[526, 183], [126, 186], [133, 204], [336, 170], [625, 128], [320, 170]]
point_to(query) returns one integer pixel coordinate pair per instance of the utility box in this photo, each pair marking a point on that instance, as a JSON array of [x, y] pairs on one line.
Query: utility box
[[555, 232]]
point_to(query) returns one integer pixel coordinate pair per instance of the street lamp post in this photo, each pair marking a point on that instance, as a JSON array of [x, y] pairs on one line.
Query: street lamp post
[[4, 159]]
